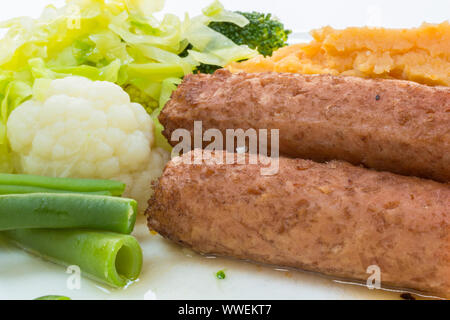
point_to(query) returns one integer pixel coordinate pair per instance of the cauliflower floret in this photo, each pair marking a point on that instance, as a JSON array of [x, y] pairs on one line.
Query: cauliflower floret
[[85, 129]]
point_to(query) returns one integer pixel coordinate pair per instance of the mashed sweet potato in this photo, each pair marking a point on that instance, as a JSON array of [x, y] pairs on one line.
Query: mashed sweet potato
[[419, 54]]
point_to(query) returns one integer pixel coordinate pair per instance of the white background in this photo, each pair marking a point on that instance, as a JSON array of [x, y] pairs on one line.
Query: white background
[[300, 15]]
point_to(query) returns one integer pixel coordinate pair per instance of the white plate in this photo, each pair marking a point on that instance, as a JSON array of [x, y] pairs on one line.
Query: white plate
[[172, 272]]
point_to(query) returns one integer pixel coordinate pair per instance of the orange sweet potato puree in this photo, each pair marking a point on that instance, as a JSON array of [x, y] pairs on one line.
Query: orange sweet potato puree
[[419, 54]]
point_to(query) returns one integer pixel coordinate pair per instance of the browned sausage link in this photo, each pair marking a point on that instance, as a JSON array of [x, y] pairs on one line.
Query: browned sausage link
[[332, 218], [392, 125]]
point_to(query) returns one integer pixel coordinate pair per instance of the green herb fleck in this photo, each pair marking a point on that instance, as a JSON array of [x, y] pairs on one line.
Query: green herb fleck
[[220, 275]]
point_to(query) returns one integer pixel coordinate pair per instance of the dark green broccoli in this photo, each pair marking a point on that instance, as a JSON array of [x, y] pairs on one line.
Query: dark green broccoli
[[263, 33], [206, 68]]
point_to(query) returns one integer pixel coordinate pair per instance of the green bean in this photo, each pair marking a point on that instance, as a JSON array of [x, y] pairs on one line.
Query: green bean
[[53, 298], [21, 183], [111, 258], [68, 210], [10, 189]]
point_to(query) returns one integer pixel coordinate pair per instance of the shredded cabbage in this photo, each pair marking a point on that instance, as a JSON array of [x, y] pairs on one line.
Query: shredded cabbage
[[112, 40]]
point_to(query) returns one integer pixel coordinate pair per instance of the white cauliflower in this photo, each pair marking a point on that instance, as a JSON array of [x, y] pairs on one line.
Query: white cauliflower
[[79, 128]]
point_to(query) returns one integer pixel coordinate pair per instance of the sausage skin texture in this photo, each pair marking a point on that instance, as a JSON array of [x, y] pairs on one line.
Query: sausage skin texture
[[332, 218], [389, 125]]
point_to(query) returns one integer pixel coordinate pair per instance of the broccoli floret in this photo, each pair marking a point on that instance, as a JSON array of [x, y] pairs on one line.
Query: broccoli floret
[[206, 68], [263, 33]]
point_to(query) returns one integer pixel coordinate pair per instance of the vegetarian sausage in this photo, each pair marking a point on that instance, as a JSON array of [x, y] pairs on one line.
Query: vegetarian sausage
[[391, 125], [333, 218]]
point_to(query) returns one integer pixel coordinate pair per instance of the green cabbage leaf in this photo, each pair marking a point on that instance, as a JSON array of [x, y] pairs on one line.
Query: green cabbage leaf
[[121, 41]]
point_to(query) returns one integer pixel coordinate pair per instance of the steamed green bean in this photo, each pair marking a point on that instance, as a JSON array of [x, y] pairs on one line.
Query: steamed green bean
[[53, 298], [9, 189], [24, 183], [47, 210], [112, 258]]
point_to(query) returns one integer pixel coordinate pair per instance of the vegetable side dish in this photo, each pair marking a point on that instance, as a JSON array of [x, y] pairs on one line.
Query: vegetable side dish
[[59, 59], [73, 222], [75, 127], [419, 54]]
